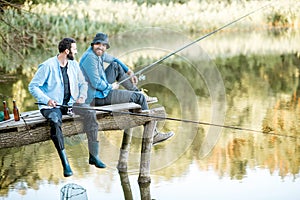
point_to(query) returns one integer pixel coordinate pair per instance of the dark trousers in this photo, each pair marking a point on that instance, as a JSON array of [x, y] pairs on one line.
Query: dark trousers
[[54, 117]]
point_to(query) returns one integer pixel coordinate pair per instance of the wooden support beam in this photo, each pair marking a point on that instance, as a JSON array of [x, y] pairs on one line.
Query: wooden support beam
[[149, 128], [145, 191], [126, 185], [124, 151]]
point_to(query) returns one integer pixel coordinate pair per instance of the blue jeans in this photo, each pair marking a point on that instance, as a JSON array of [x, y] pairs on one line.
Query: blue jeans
[[114, 72]]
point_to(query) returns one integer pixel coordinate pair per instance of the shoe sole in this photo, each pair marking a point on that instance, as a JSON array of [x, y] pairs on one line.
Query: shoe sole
[[152, 101], [157, 142]]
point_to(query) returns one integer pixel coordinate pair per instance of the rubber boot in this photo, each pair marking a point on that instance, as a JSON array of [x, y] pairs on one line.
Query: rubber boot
[[93, 152], [65, 163]]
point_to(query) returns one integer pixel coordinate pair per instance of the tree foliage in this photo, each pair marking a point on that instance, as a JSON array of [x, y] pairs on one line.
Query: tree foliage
[[14, 3]]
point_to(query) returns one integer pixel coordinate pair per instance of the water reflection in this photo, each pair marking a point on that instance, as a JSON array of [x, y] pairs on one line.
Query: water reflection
[[144, 188], [126, 185], [262, 92], [29, 166]]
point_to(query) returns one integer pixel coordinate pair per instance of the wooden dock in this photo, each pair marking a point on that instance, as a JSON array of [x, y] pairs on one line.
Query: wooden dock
[[33, 128]]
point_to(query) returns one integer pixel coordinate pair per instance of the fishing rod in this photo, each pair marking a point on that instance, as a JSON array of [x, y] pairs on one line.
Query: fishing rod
[[193, 42], [173, 119]]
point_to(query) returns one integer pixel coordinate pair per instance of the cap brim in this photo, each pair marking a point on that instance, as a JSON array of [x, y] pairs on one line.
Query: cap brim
[[102, 42]]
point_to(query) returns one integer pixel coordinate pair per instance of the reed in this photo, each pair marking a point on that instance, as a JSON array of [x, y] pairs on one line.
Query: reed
[[42, 25]]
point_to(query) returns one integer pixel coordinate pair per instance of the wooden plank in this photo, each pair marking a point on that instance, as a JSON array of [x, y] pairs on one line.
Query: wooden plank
[[37, 129], [119, 107], [33, 117]]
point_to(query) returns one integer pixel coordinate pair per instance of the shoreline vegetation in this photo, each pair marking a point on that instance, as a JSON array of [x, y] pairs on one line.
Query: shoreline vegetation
[[35, 26]]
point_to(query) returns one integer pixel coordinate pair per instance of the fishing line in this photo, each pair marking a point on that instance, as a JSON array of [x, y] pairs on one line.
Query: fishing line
[[26, 125], [191, 43], [179, 120]]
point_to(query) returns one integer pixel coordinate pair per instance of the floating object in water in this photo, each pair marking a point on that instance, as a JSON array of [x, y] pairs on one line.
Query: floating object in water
[[72, 191]]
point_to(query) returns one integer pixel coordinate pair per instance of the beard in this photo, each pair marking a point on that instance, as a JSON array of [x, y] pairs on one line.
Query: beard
[[70, 56], [98, 51]]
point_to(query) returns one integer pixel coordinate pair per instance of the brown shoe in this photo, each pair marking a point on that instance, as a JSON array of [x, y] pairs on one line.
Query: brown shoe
[[160, 137]]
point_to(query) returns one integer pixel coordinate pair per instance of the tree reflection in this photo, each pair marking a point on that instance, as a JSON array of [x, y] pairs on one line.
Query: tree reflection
[[263, 93]]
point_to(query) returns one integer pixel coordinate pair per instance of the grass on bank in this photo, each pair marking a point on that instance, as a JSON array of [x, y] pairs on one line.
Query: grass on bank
[[42, 26]]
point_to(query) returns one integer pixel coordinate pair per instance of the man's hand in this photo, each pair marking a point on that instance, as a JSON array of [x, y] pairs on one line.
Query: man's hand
[[133, 78], [115, 86], [80, 100], [52, 103]]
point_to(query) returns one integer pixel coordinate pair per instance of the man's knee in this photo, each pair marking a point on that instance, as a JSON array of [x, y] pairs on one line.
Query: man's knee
[[114, 66], [138, 97], [55, 118]]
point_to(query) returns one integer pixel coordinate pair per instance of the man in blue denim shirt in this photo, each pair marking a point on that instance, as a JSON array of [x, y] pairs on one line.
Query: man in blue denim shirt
[[59, 81], [102, 85]]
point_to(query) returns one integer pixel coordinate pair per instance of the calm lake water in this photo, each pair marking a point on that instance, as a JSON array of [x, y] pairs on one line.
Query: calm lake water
[[244, 80]]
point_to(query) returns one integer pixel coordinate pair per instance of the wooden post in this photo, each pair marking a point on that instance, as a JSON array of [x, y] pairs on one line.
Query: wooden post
[[145, 191], [126, 185], [124, 150], [144, 188], [144, 176]]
